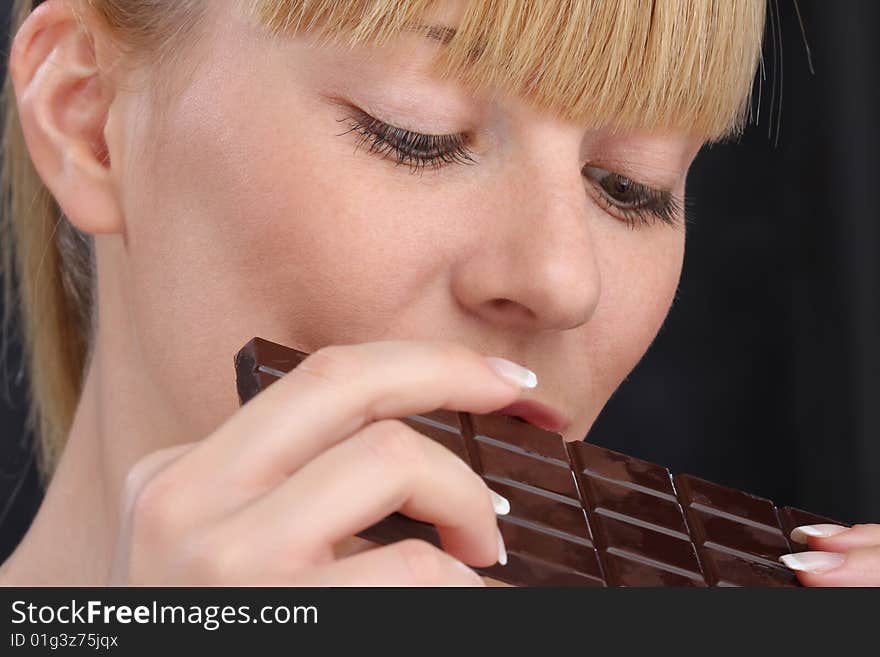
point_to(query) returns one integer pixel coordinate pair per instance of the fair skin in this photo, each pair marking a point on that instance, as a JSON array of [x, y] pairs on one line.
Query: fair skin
[[211, 229]]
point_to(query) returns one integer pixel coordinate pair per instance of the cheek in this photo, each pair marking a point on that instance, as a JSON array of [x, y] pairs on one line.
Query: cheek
[[640, 274], [249, 229]]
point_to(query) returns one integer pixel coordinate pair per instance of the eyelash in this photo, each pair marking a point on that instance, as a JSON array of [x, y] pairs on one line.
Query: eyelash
[[651, 205], [420, 151], [412, 148]]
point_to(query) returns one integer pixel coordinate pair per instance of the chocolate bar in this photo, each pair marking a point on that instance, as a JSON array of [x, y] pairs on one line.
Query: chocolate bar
[[580, 514]]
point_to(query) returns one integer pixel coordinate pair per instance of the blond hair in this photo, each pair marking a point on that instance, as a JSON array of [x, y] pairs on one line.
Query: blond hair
[[650, 64]]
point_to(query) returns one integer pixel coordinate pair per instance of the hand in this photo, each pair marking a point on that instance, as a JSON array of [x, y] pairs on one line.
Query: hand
[[309, 462], [838, 556]]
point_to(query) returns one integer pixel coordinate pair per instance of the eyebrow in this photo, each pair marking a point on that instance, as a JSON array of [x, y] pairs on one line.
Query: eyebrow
[[441, 33]]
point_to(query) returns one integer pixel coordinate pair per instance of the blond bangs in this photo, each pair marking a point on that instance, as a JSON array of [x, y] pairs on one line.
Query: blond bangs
[[684, 65]]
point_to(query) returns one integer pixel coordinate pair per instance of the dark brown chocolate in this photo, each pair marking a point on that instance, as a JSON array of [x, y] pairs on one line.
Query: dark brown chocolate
[[583, 515]]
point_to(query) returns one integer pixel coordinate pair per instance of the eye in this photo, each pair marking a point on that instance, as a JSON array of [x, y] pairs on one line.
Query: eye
[[413, 148], [637, 203]]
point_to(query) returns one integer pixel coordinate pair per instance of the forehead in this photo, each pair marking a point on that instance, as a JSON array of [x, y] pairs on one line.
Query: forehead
[[675, 65]]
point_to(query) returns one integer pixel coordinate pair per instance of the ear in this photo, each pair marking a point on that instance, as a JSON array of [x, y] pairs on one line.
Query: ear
[[63, 102]]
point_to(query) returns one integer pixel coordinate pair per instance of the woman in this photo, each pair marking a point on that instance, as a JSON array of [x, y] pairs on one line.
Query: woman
[[231, 169]]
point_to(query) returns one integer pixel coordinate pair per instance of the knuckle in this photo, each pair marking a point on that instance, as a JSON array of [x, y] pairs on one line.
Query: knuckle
[[152, 507], [394, 444], [423, 561], [210, 559], [150, 499], [135, 480], [332, 364], [451, 351], [148, 483]]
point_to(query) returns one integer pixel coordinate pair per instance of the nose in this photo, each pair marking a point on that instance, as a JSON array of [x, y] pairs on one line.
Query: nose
[[536, 267]]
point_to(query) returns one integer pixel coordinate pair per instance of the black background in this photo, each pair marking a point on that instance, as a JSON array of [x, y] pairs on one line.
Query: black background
[[766, 375]]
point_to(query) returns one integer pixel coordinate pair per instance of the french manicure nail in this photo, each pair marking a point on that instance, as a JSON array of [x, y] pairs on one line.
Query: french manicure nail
[[502, 551], [513, 373], [500, 504], [800, 534], [813, 562]]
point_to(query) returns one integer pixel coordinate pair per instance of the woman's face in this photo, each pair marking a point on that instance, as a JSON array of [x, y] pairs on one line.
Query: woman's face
[[250, 210]]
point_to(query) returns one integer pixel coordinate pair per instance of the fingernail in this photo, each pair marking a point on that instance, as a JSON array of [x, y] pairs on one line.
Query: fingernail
[[800, 534], [513, 373], [500, 504], [502, 551], [813, 562]]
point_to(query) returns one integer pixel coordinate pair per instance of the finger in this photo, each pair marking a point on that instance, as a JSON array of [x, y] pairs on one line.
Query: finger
[[352, 545], [836, 538], [386, 467], [147, 468], [406, 563], [144, 471], [335, 392], [858, 567]]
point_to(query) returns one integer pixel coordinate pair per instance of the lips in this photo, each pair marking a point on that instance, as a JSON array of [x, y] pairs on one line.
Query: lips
[[537, 414]]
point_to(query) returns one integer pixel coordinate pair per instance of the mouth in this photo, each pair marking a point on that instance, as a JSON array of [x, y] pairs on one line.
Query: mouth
[[537, 414]]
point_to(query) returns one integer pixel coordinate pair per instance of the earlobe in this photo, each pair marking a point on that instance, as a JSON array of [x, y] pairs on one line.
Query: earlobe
[[63, 103]]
